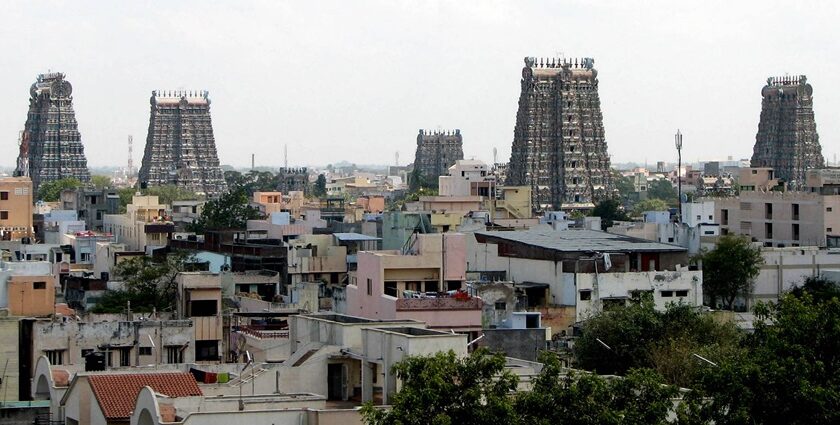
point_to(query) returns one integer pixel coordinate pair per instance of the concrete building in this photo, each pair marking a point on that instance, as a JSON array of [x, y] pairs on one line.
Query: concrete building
[[783, 218], [15, 208], [91, 205], [586, 269], [27, 288], [200, 300], [146, 224], [420, 283], [185, 213], [317, 258]]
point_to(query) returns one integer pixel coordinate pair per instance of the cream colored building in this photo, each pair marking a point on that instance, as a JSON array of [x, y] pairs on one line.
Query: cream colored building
[[145, 224], [15, 208], [200, 299]]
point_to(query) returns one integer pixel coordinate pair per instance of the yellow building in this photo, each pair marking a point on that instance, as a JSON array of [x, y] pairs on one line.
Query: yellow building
[[15, 208]]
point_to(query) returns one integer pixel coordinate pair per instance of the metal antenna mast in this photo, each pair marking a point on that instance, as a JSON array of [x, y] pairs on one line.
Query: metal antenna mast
[[130, 155]]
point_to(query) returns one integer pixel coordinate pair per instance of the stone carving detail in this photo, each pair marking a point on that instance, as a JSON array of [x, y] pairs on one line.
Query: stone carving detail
[[180, 147], [436, 152], [787, 138], [558, 144]]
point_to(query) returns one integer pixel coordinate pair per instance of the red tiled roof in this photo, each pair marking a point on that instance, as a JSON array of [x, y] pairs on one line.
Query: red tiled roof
[[116, 393], [60, 377]]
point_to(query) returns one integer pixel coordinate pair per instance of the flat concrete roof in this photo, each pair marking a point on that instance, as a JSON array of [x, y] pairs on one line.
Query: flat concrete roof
[[580, 240]]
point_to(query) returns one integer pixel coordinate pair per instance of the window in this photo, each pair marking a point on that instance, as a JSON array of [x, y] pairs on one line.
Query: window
[[4, 215], [99, 214], [145, 351], [391, 288], [453, 285], [369, 287], [4, 196], [829, 229], [39, 285], [768, 211], [828, 209], [795, 211], [432, 287], [85, 256], [207, 350], [683, 293], [768, 230], [500, 305], [203, 308], [724, 231], [125, 356], [795, 231], [585, 295], [174, 354], [724, 217], [56, 357], [666, 294]]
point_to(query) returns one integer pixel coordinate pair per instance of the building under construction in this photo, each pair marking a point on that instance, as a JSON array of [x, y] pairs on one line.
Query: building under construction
[[180, 148], [558, 144], [787, 138], [436, 152], [50, 144]]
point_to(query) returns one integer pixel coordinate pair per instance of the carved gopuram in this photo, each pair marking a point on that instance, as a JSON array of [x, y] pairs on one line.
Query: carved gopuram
[[180, 148], [293, 179], [558, 143], [50, 144], [436, 152], [787, 137]]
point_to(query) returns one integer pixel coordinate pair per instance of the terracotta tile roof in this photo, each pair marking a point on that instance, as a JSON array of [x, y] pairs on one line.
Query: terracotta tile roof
[[116, 393], [60, 377]]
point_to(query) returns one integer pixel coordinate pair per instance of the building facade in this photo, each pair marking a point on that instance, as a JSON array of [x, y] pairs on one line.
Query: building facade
[[436, 152], [180, 147], [15, 208], [51, 145], [558, 145], [787, 138]]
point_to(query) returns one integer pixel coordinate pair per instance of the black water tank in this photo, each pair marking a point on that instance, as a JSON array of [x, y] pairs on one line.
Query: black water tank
[[94, 362]]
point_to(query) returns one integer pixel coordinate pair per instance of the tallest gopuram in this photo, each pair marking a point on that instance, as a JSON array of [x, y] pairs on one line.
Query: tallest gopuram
[[558, 143], [51, 145], [787, 138]]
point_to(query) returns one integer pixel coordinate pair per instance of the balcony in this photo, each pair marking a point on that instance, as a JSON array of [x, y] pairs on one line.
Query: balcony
[[159, 228]]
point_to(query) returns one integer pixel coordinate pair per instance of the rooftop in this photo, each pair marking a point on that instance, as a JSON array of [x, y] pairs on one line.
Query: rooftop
[[354, 237], [116, 393], [579, 240]]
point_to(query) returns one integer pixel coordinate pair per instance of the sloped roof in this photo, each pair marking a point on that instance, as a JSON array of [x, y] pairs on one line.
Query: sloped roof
[[117, 393]]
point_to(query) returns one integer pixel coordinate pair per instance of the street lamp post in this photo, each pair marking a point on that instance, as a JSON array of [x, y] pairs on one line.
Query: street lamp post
[[679, 143]]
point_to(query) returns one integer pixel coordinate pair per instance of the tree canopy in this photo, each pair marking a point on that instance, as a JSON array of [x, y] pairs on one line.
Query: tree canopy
[[147, 284], [101, 182], [319, 189], [610, 211], [51, 191], [729, 269], [651, 204], [229, 211], [662, 189]]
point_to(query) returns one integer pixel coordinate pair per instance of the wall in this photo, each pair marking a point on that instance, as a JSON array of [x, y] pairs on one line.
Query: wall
[[517, 343], [9, 356], [18, 206], [784, 268], [26, 300]]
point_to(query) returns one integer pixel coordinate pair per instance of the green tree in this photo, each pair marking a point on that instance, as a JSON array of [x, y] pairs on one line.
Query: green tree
[[729, 269], [610, 211], [147, 284], [446, 390], [820, 288], [101, 182], [561, 397], [651, 204], [50, 191], [623, 184], [664, 190], [168, 193], [229, 211], [319, 190]]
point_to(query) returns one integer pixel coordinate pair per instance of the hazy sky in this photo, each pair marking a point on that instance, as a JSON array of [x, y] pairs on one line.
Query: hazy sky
[[355, 80]]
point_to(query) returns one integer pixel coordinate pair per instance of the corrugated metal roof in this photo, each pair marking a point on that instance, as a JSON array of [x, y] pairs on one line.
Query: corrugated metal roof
[[579, 240]]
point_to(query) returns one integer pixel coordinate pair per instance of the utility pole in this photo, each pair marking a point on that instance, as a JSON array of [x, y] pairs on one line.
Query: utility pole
[[678, 142]]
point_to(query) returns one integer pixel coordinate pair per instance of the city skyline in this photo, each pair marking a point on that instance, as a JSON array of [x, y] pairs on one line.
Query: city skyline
[[377, 72]]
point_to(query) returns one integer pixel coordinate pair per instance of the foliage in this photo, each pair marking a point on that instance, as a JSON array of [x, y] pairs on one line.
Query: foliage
[[417, 181], [789, 374], [610, 211], [168, 193], [639, 336], [651, 204], [229, 211], [623, 184], [444, 389], [51, 191], [729, 269], [147, 283], [101, 182], [664, 190], [319, 189], [820, 288], [556, 398]]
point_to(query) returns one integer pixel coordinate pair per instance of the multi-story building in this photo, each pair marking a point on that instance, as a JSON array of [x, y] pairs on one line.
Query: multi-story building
[[787, 138], [145, 224], [559, 148], [436, 152], [27, 288], [200, 300], [180, 147], [778, 218], [15, 208], [91, 205], [51, 145]]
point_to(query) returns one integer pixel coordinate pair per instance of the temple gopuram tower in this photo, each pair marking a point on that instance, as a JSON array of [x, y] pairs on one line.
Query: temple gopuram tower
[[558, 142], [787, 137], [436, 152], [180, 148], [50, 145]]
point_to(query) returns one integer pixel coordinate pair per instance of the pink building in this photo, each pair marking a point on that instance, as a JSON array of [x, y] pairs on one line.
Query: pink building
[[424, 283]]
